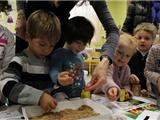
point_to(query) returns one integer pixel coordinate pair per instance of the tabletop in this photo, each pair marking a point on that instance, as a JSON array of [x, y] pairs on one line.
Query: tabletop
[[128, 110]]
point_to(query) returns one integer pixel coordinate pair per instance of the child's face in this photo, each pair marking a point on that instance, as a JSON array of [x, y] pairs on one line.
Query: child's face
[[122, 55], [145, 40], [40, 47], [77, 46]]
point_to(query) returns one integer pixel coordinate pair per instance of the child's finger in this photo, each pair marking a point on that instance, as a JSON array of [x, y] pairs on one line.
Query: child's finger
[[52, 105], [135, 79], [112, 93]]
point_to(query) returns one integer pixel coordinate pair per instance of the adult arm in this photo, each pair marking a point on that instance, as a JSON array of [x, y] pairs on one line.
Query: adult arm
[[108, 49], [112, 32]]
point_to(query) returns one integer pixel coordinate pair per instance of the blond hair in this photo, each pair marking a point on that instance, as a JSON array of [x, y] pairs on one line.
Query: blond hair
[[148, 27], [128, 40], [44, 24]]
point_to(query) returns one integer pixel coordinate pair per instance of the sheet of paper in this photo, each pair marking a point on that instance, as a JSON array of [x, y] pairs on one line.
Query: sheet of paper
[[149, 115], [11, 113]]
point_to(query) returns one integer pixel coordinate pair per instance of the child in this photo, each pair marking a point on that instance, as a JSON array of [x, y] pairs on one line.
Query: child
[[27, 76], [119, 71], [68, 60], [7, 50], [152, 69], [145, 34]]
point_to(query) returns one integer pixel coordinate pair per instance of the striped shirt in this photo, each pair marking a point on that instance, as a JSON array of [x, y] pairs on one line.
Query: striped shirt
[[25, 79]]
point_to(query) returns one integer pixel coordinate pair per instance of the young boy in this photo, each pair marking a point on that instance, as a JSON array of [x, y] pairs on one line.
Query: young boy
[[119, 71], [27, 76], [68, 60], [145, 34]]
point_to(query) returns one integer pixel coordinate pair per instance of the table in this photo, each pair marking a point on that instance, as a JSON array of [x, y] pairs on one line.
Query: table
[[11, 113], [129, 110], [14, 112]]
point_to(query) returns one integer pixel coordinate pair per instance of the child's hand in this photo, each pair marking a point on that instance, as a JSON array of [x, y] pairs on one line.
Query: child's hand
[[112, 93], [65, 79], [134, 79], [127, 96], [47, 102], [145, 93]]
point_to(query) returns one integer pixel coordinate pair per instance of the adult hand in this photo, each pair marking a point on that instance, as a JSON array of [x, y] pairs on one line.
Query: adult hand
[[112, 93], [65, 79], [47, 102], [99, 76]]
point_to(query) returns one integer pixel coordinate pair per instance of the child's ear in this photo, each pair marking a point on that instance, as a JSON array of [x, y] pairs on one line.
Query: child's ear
[[27, 37]]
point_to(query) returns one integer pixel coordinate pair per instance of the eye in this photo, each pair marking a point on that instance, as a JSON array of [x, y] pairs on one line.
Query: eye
[[139, 37], [119, 52], [128, 56], [144, 38], [147, 38], [41, 44]]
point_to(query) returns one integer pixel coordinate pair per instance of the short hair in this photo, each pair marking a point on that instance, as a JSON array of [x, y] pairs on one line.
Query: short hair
[[44, 24], [128, 40], [78, 28], [148, 27]]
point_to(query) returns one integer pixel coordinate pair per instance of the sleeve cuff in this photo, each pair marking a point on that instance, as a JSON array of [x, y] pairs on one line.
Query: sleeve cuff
[[106, 57]]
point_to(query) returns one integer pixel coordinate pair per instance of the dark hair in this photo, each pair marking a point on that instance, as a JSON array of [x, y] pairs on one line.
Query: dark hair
[[4, 6], [78, 29]]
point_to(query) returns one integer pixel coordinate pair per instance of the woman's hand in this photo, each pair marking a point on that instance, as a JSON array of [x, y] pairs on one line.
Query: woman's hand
[[99, 76]]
